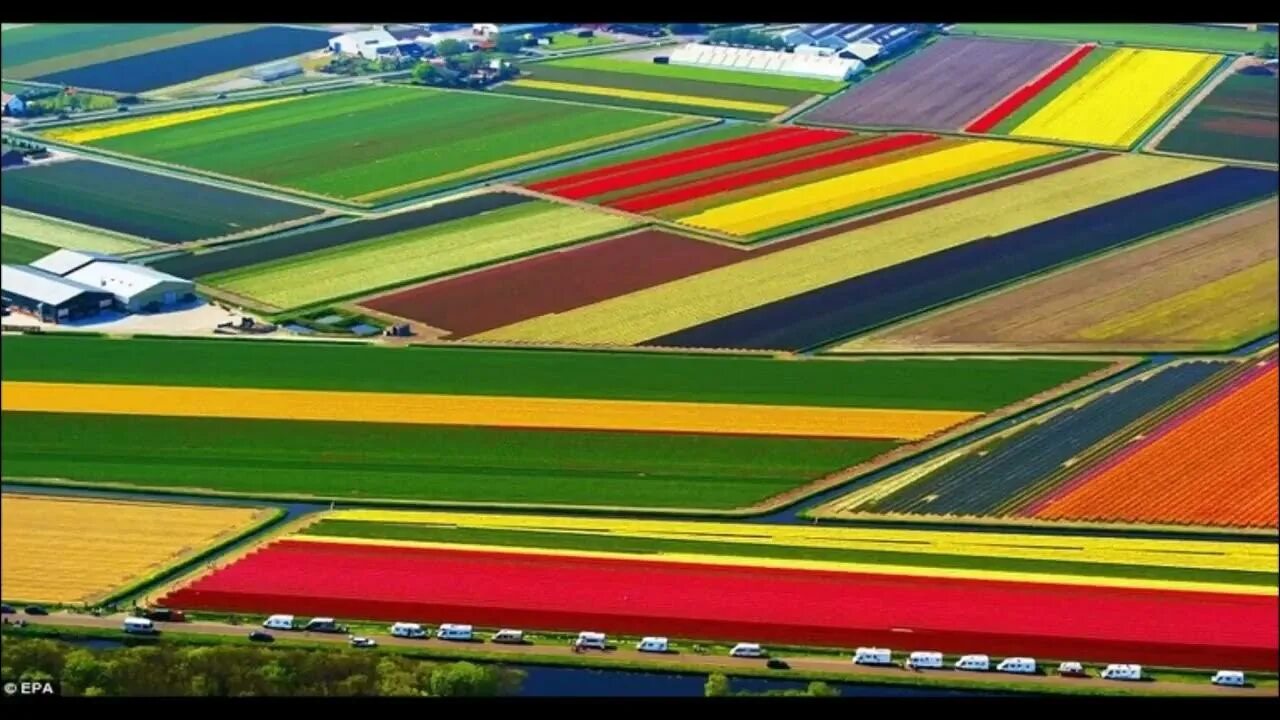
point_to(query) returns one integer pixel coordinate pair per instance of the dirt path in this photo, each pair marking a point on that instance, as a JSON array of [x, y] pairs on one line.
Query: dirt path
[[1187, 106], [839, 666]]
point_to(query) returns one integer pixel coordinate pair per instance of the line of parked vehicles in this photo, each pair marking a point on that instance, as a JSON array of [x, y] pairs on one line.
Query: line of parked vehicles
[[588, 640]]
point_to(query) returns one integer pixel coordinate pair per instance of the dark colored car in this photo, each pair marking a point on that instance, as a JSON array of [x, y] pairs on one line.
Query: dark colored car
[[35, 610], [7, 610], [776, 664], [259, 636], [164, 615], [122, 108]]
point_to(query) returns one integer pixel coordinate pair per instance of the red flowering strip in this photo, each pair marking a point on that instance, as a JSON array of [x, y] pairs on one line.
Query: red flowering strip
[[669, 168], [670, 196], [1022, 95], [770, 605], [551, 186]]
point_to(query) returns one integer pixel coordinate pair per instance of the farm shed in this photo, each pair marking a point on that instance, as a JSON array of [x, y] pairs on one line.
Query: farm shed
[[766, 61], [13, 104], [136, 288], [365, 44], [49, 297], [64, 262]]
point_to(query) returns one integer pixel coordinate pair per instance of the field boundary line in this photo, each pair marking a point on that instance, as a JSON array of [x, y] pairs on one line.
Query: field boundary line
[[1193, 100], [1186, 102]]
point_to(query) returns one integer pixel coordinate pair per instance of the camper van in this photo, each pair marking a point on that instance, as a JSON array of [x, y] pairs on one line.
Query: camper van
[[324, 625], [924, 661], [454, 632], [139, 626], [1122, 672], [747, 650], [974, 662], [1230, 678], [279, 622], [591, 640], [872, 656], [652, 644], [509, 637], [1072, 669], [408, 630], [1022, 665]]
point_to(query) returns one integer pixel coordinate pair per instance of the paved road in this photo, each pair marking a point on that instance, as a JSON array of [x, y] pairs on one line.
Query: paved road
[[530, 653]]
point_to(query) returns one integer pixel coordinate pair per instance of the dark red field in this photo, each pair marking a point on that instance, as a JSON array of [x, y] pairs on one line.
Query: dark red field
[[555, 282], [770, 605]]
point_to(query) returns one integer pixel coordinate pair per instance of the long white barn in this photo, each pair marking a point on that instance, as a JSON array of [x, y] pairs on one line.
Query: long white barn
[[766, 61]]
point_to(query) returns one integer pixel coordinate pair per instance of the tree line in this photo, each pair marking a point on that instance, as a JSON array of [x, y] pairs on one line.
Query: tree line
[[170, 669], [718, 686]]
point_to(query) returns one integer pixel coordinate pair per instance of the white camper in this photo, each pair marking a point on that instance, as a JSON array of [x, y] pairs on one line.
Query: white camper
[[1229, 678], [1071, 669], [974, 662], [924, 660], [872, 656], [509, 637], [591, 640], [449, 631], [1022, 665], [652, 644], [408, 630], [279, 622], [139, 626], [748, 650], [1122, 672]]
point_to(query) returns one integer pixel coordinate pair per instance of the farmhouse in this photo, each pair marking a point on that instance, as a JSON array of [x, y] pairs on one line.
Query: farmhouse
[[766, 61], [135, 288], [49, 297]]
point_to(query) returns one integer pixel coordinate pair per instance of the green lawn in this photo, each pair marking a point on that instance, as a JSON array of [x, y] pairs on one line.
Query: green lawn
[[604, 542], [968, 384], [570, 41], [1190, 37], [688, 72], [379, 143], [420, 462], [416, 254], [19, 251]]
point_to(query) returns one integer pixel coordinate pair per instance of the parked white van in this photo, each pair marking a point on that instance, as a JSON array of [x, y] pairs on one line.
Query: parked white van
[[973, 662], [450, 631], [1023, 665], [1122, 672], [1231, 678], [510, 637], [1071, 669], [279, 622], [872, 656], [139, 626], [408, 630], [591, 640], [750, 650], [653, 645], [924, 660]]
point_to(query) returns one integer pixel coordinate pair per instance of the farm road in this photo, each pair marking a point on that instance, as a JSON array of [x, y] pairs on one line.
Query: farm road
[[840, 666]]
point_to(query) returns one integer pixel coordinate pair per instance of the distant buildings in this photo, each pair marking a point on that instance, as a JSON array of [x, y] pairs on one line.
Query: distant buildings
[[68, 285], [864, 41], [372, 45], [766, 61]]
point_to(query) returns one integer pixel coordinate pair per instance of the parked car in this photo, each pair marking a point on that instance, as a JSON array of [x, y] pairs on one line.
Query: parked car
[[358, 641], [259, 636], [35, 610], [1072, 669], [509, 637], [776, 664], [7, 610], [165, 615], [122, 108]]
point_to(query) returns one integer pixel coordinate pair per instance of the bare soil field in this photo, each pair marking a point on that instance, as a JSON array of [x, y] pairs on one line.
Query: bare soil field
[[1211, 285]]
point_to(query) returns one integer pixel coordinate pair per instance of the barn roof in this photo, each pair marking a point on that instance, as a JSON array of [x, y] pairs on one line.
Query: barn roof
[[41, 286]]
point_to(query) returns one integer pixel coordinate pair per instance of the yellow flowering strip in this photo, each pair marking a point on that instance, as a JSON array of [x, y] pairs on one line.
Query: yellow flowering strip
[[478, 410], [663, 309], [657, 97], [73, 550], [1120, 99], [118, 128], [775, 209]]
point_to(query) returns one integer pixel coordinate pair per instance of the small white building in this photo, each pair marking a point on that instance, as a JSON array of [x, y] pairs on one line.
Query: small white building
[[364, 44], [766, 61]]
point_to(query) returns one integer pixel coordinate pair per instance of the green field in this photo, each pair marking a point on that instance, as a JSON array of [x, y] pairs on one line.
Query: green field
[[420, 462], [58, 233], [719, 133], [968, 384], [570, 41], [1190, 37], [380, 143], [605, 542], [706, 75], [416, 254], [47, 48], [19, 251], [1237, 120]]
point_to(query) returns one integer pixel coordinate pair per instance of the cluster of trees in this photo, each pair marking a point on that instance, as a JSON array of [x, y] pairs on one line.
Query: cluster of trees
[[458, 70], [354, 65], [169, 669], [1268, 51], [504, 43], [718, 686], [743, 36]]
